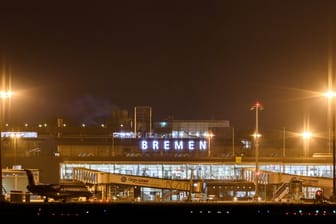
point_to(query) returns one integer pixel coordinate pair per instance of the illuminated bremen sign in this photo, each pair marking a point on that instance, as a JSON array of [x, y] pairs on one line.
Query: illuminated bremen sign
[[169, 145]]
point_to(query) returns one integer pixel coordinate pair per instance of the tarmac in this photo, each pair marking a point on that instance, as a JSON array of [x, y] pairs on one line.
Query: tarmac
[[148, 212]]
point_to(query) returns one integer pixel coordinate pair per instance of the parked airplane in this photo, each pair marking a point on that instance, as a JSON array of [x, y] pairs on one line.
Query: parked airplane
[[61, 191]]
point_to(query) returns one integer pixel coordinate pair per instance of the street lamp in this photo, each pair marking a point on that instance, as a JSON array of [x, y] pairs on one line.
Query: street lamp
[[3, 95], [306, 135], [284, 143], [233, 142], [15, 136], [256, 135], [209, 135], [331, 95]]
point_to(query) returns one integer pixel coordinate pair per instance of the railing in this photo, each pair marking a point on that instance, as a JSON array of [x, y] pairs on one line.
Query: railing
[[281, 192]]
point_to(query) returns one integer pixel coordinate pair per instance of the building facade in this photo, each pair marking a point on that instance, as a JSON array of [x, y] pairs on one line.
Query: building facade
[[204, 150]]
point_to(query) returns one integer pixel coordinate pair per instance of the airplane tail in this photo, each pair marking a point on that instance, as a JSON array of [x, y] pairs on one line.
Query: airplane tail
[[30, 176]]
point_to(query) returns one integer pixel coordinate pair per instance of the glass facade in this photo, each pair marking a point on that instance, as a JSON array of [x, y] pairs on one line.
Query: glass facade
[[200, 171]]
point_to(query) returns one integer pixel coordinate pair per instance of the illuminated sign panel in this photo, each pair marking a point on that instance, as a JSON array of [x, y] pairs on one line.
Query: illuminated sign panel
[[18, 134], [173, 145]]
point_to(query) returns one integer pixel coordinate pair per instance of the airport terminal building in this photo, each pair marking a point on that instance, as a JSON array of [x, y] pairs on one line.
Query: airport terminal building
[[206, 152]]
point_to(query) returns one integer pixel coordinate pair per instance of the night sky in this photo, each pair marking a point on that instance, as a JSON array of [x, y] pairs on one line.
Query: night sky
[[191, 60]]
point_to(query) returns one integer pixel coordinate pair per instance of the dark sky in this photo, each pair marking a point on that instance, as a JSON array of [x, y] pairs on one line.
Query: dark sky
[[187, 59]]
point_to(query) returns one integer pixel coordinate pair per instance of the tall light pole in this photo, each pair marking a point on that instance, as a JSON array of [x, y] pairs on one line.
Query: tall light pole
[[306, 136], [233, 142], [333, 197], [15, 137], [284, 143], [256, 135], [331, 95], [3, 95], [283, 149], [209, 135]]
